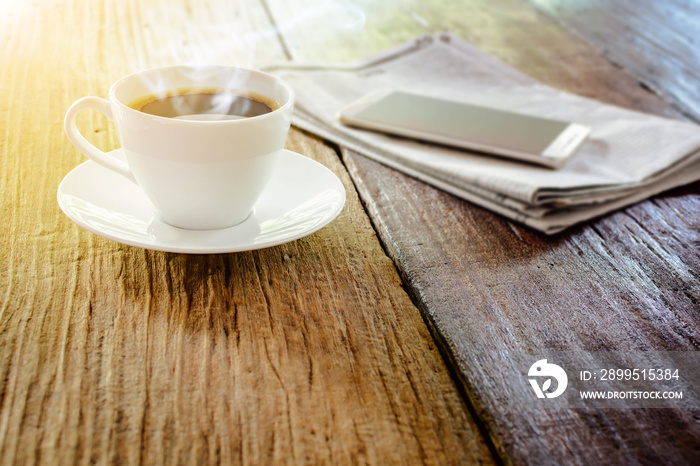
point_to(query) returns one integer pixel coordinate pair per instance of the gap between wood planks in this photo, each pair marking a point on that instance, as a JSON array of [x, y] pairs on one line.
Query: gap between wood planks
[[278, 32], [458, 378], [446, 356]]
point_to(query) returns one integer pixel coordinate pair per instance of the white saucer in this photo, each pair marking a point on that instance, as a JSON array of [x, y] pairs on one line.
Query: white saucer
[[302, 197]]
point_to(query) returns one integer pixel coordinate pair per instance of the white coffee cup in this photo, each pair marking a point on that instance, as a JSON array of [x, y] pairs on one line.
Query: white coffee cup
[[199, 174]]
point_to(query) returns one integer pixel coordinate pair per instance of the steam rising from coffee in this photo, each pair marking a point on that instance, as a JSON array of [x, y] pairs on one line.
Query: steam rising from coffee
[[205, 104], [222, 43]]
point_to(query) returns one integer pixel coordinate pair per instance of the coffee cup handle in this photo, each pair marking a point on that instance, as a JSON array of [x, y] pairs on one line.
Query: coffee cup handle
[[82, 144]]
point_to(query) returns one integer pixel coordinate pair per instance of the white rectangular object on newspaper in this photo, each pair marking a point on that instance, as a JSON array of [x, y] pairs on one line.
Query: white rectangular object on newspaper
[[529, 138]]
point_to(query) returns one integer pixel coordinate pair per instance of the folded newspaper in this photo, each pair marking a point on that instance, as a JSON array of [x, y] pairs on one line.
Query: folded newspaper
[[628, 156]]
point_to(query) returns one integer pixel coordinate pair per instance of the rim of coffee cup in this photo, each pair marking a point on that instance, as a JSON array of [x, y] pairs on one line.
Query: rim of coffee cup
[[285, 106]]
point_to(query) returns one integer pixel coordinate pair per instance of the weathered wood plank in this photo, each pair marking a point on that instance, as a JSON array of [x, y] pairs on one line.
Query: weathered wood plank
[[655, 41], [494, 291], [310, 352]]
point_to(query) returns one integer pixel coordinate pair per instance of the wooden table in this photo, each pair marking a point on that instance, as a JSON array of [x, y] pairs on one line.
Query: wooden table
[[381, 338]]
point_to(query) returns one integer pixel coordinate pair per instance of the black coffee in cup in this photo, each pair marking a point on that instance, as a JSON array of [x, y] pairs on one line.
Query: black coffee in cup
[[205, 104]]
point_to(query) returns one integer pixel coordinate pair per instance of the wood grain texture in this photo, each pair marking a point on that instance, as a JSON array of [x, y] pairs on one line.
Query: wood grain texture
[[493, 291], [309, 352], [655, 41]]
